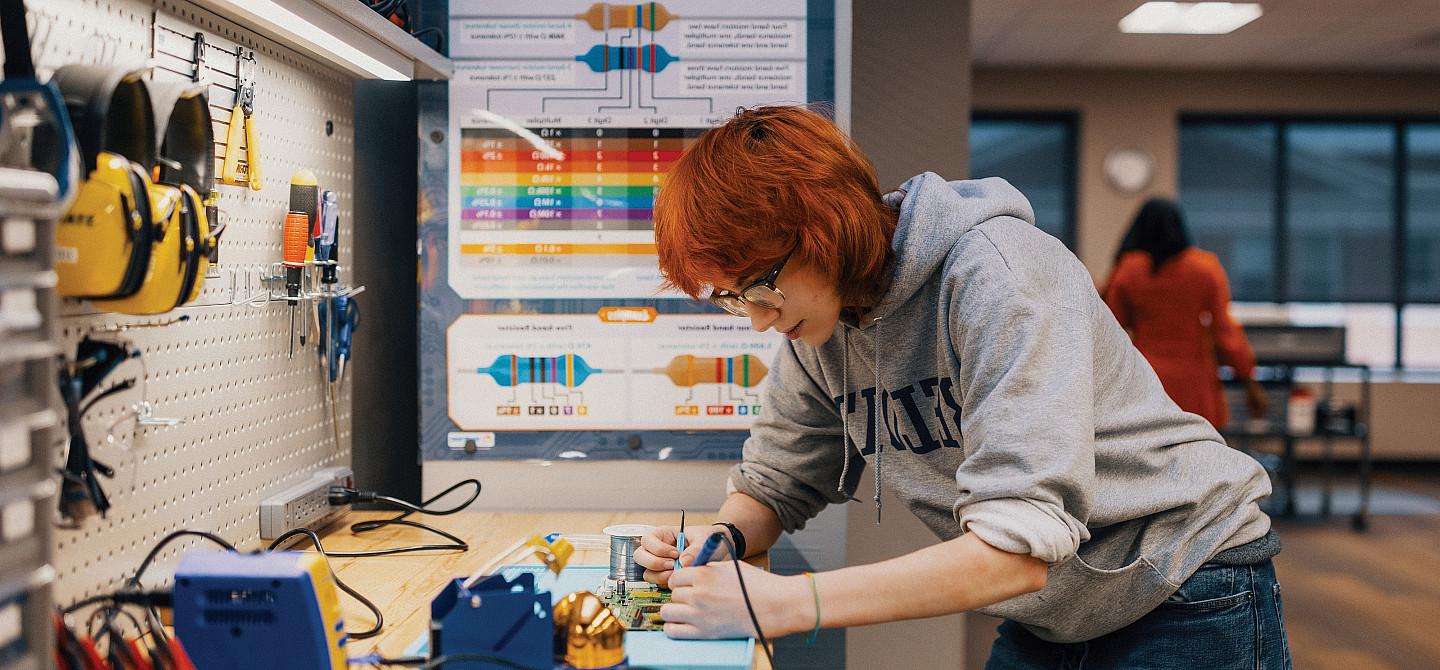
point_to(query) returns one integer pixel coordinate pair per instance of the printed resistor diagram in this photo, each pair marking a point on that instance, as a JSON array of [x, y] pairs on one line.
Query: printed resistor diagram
[[580, 372], [745, 371], [570, 370], [566, 370], [650, 58], [635, 64], [651, 16]]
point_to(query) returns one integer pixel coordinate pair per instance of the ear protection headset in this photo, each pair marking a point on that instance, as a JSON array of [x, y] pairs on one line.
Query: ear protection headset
[[186, 169], [103, 243]]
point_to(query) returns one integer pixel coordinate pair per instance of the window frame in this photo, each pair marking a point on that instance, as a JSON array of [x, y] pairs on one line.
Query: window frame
[[1400, 163], [1070, 156]]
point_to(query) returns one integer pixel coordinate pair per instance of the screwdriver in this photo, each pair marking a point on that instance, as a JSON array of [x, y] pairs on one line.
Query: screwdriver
[[305, 198], [297, 228], [327, 244]]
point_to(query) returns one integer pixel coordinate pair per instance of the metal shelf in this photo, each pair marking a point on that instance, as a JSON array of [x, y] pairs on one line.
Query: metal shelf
[[354, 38]]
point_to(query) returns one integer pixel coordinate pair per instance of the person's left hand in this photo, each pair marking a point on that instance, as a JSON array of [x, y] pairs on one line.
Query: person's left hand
[[706, 603]]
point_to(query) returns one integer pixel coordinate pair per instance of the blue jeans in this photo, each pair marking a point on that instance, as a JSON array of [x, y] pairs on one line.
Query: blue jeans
[[1222, 618]]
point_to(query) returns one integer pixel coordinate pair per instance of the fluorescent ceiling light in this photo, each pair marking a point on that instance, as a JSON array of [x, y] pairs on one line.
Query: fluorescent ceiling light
[[317, 39], [1190, 18]]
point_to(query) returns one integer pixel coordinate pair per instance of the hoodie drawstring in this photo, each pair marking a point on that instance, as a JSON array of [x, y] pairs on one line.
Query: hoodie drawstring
[[845, 421], [845, 415], [879, 452]]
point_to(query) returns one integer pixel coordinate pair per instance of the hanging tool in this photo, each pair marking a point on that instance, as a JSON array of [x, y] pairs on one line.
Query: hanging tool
[[327, 243], [305, 199], [296, 229], [328, 348], [326, 255], [197, 75], [242, 126], [80, 492]]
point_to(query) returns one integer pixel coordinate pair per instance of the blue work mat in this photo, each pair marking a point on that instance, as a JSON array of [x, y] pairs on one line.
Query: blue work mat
[[648, 648]]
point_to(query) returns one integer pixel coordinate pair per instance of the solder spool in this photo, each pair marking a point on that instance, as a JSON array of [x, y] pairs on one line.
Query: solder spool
[[624, 540]]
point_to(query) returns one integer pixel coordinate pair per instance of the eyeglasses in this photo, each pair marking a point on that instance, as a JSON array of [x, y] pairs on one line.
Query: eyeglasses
[[761, 292]]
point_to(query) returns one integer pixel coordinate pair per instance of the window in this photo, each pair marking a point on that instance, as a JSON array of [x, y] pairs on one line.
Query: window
[[1340, 212], [1035, 153], [1231, 212], [1422, 217], [1334, 220]]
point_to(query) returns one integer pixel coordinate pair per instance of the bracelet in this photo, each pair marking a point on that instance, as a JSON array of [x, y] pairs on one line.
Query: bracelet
[[735, 535], [816, 591]]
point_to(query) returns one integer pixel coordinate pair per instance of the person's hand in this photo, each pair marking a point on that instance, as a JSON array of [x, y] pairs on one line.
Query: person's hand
[[657, 553], [706, 603], [1255, 399]]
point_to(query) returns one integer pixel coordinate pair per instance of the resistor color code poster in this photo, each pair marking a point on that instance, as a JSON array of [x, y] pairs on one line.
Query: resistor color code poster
[[569, 116], [541, 160]]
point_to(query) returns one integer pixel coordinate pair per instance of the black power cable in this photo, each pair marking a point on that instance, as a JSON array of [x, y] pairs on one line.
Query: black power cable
[[344, 496], [130, 593], [764, 643], [315, 540], [134, 580]]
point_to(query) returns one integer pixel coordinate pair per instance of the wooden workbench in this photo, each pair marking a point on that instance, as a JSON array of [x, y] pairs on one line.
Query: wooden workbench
[[403, 585]]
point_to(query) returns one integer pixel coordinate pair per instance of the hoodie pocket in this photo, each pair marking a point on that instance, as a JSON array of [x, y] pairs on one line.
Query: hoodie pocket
[[1081, 601]]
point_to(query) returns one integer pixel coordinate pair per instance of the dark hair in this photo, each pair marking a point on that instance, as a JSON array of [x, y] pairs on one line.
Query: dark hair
[[1158, 230]]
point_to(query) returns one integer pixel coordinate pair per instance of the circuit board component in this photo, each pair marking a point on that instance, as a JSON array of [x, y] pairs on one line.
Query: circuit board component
[[638, 608]]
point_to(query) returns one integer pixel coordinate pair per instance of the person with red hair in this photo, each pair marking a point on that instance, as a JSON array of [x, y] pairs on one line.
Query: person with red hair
[[936, 336]]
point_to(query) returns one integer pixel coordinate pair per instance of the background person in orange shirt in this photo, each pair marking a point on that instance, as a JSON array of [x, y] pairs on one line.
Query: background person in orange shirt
[[1174, 300]]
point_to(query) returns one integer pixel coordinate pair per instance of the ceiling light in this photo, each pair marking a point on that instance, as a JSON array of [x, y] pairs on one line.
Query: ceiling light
[[1189, 18]]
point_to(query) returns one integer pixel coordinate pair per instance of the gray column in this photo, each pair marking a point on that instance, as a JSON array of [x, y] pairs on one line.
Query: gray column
[[910, 111]]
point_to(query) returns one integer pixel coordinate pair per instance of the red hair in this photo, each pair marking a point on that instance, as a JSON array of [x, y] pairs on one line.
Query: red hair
[[771, 181]]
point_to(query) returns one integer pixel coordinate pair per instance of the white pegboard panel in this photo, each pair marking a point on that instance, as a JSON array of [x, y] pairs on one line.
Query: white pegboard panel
[[255, 420]]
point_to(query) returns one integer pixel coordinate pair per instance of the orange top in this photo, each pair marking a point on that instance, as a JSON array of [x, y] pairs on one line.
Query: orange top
[[1180, 320]]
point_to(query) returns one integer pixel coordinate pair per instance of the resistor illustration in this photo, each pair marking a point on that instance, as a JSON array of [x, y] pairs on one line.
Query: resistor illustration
[[567, 370], [650, 16], [650, 58], [745, 370]]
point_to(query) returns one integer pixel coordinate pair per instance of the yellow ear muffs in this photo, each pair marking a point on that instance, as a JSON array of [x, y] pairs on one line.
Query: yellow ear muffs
[[164, 286], [187, 136], [103, 242], [206, 239]]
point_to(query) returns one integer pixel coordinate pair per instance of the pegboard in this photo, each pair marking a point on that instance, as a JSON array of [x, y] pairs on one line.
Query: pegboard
[[254, 420]]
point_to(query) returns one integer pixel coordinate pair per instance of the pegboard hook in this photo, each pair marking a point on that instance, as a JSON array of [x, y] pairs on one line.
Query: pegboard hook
[[122, 327]]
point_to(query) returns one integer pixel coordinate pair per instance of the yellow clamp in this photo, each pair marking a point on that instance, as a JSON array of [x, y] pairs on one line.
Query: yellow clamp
[[553, 554]]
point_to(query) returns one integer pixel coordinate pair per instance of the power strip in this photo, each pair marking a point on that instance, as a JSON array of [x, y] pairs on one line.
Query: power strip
[[304, 505]]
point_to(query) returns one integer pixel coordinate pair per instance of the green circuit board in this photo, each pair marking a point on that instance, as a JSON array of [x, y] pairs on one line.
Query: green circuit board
[[639, 609]]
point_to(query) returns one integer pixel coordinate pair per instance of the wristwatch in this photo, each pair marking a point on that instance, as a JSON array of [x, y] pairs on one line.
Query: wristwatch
[[735, 535]]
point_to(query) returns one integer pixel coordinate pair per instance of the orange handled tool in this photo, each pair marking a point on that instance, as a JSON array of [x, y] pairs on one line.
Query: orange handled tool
[[296, 240]]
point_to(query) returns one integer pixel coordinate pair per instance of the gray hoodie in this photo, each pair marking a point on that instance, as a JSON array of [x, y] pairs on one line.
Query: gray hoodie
[[1011, 405]]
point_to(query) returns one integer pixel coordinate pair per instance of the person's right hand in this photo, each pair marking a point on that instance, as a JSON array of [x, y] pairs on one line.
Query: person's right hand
[[1255, 399], [657, 553]]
